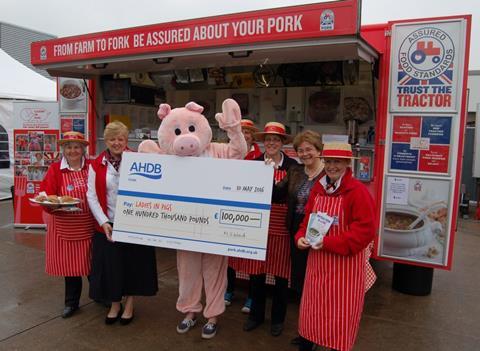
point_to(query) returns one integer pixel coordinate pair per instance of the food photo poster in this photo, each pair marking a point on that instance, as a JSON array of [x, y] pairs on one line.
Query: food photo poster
[[72, 94], [415, 220]]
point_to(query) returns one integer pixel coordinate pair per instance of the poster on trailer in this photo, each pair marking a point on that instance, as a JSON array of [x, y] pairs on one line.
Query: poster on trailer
[[72, 95], [423, 141], [421, 144], [415, 220], [426, 65]]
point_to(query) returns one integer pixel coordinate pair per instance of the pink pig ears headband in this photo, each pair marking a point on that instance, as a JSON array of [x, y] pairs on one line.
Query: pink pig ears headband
[[165, 109]]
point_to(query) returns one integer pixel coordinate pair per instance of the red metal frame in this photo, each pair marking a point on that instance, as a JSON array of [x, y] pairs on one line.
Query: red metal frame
[[375, 36], [92, 124]]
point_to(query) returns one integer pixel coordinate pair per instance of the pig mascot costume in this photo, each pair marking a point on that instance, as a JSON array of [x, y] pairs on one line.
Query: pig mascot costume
[[186, 132]]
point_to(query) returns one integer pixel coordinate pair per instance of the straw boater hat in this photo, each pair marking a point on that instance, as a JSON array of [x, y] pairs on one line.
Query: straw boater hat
[[274, 128], [337, 150], [73, 137], [248, 124]]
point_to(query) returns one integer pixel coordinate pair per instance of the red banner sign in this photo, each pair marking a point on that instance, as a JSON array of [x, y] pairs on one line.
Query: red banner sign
[[289, 23]]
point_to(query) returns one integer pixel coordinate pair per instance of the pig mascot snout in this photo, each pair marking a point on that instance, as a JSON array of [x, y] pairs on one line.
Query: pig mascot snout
[[185, 132], [186, 145]]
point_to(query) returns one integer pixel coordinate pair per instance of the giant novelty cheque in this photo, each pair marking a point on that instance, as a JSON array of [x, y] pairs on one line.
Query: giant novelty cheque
[[210, 205], [213, 202]]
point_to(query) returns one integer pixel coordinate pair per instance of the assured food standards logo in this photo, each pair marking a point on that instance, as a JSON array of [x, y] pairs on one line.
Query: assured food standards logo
[[43, 53], [426, 58], [327, 20]]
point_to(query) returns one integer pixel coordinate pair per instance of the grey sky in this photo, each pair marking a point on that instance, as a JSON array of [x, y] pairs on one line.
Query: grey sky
[[65, 18]]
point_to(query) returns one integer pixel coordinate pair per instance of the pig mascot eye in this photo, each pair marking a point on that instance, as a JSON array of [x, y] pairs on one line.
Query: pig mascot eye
[[191, 128], [178, 131]]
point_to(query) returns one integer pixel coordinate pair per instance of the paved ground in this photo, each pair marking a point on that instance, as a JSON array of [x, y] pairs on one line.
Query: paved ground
[[31, 303]]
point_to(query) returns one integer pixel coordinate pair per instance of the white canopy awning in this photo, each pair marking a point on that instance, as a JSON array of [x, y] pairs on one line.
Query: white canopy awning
[[20, 82]]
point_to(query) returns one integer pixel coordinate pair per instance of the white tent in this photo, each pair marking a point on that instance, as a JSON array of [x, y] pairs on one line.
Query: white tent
[[18, 82]]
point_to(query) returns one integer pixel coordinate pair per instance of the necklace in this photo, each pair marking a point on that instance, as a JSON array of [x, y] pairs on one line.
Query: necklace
[[313, 174]]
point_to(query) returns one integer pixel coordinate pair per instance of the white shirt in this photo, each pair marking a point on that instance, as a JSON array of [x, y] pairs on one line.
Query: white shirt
[[113, 178], [279, 164], [331, 190], [64, 164]]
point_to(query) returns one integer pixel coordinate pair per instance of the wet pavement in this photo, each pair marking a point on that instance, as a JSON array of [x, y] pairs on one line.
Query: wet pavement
[[31, 304]]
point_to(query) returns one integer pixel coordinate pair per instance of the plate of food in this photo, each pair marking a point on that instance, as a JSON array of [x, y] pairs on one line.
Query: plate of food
[[67, 209], [54, 200]]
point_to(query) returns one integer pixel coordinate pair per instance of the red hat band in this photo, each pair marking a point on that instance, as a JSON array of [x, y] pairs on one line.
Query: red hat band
[[73, 136], [337, 153], [247, 123], [274, 129]]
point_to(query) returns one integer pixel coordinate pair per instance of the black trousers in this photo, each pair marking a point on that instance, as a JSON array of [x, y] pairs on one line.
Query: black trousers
[[73, 290], [305, 345], [259, 297], [231, 278]]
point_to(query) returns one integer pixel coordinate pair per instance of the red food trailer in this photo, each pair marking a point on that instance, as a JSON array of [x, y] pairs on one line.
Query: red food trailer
[[395, 90]]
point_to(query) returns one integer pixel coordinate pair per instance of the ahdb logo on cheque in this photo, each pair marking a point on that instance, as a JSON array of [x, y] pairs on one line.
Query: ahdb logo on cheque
[[146, 169]]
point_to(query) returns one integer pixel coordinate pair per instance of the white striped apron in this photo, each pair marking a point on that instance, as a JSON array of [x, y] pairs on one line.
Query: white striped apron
[[277, 262], [68, 242], [334, 289]]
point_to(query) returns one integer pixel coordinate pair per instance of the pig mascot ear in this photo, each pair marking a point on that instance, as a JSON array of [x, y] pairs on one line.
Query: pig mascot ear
[[192, 106], [163, 111]]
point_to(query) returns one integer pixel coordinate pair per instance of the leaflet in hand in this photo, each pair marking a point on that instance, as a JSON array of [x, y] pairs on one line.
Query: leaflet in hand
[[318, 225]]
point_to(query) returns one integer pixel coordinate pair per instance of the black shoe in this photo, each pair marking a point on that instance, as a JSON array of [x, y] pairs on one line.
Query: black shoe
[[125, 321], [111, 320], [276, 329], [68, 311], [250, 324]]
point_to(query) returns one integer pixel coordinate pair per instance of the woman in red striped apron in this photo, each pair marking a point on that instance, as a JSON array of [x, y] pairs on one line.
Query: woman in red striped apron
[[277, 262], [235, 263], [338, 272], [69, 234]]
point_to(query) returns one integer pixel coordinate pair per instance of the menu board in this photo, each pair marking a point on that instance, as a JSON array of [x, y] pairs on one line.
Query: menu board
[[421, 144]]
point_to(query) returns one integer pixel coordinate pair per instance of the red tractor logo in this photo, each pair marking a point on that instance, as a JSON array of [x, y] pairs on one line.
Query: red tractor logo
[[424, 49]]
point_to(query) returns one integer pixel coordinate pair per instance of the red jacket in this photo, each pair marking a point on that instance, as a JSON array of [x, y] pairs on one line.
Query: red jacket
[[255, 153], [359, 212]]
